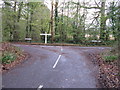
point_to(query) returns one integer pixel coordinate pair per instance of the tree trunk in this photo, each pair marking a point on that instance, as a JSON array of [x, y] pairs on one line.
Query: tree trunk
[[31, 19], [76, 28], [102, 21], [31, 26], [68, 12], [113, 20], [19, 11], [27, 26], [84, 17], [56, 17], [62, 30], [15, 36], [52, 32]]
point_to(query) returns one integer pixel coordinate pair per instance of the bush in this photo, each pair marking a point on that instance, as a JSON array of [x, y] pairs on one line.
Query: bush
[[69, 40], [110, 58], [57, 38]]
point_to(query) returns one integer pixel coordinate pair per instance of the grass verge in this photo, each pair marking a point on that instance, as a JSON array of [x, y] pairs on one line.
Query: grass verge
[[109, 70]]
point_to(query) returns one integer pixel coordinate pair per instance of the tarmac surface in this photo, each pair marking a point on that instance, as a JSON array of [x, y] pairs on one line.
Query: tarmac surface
[[54, 67]]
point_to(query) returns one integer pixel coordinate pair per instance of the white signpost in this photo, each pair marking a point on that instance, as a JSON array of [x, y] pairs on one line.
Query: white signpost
[[46, 36]]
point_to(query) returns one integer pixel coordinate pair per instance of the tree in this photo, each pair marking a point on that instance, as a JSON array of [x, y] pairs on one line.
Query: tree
[[52, 32], [24, 19], [56, 17], [112, 13], [8, 21], [102, 21]]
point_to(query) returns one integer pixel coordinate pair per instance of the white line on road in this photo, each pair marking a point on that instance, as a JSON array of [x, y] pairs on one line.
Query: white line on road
[[61, 49], [57, 61], [40, 87], [46, 46]]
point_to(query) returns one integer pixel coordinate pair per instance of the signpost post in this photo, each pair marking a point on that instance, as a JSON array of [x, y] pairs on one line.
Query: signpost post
[[46, 36]]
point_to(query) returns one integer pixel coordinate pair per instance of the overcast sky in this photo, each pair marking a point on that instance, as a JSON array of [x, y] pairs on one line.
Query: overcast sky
[[48, 2], [90, 11]]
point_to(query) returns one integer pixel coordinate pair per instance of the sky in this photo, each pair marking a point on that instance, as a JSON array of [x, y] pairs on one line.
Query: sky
[[90, 11], [48, 2]]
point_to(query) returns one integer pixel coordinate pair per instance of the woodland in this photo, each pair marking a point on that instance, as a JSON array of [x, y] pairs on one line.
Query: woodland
[[68, 22]]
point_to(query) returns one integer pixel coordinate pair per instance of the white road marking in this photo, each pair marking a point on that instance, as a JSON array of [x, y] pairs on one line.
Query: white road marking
[[47, 46], [61, 49], [40, 87], [57, 61]]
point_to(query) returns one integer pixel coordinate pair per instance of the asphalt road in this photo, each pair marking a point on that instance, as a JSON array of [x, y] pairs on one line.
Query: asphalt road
[[54, 67]]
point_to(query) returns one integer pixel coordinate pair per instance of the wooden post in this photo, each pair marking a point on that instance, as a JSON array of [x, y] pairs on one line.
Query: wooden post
[[45, 36]]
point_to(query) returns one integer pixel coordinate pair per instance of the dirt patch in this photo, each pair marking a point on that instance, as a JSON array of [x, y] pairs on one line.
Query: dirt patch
[[108, 72], [19, 54], [52, 50]]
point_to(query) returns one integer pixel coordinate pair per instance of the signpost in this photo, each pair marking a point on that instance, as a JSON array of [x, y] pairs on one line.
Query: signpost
[[28, 39], [46, 36]]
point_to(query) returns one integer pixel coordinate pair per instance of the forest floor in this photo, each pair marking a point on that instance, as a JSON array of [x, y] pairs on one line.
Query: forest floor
[[11, 56], [108, 71]]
